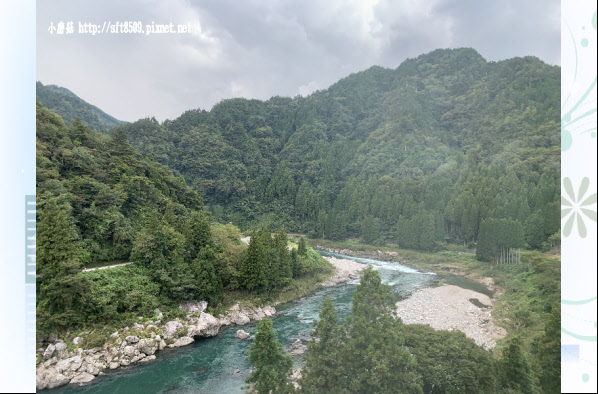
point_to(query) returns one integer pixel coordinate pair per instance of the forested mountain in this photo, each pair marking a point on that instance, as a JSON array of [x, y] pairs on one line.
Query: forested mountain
[[99, 200], [69, 106], [438, 150]]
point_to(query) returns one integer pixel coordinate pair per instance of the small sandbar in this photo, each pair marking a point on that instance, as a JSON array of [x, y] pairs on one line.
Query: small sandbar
[[450, 308]]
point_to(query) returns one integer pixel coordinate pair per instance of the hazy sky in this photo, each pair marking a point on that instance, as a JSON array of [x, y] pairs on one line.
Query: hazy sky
[[259, 49]]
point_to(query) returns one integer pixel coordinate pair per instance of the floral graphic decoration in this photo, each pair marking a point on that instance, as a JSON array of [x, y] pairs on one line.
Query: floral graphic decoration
[[577, 207]]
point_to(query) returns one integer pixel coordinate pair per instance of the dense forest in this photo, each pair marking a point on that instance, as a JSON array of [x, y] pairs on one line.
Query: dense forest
[[434, 152], [70, 107], [99, 200]]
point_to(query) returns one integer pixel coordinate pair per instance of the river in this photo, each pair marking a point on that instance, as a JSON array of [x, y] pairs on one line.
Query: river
[[208, 365]]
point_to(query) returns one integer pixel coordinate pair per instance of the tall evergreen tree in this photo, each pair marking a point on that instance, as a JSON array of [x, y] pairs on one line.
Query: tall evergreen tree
[[370, 229], [370, 352], [254, 268], [61, 289], [209, 285], [374, 357], [320, 373], [549, 353], [284, 258], [302, 247], [271, 365], [198, 233], [515, 370]]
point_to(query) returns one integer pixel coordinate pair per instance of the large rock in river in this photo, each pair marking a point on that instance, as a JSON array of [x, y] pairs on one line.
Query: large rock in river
[[82, 378], [50, 379], [207, 325], [242, 334], [147, 346], [183, 341]]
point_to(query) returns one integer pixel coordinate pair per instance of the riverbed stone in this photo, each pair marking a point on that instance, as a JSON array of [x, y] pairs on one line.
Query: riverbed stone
[[63, 365], [148, 359], [183, 341], [76, 363], [92, 369], [269, 311], [132, 339], [52, 379], [114, 365], [77, 341], [130, 351], [207, 325], [242, 334], [147, 346], [82, 378], [49, 351], [171, 328], [298, 348], [135, 359], [138, 327], [194, 307], [162, 345], [50, 362], [240, 319]]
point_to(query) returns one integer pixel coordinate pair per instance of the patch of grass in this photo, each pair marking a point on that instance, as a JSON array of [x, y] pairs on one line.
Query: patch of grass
[[95, 338]]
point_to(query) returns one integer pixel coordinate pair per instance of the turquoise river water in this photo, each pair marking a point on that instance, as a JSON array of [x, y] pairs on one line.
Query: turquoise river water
[[208, 365]]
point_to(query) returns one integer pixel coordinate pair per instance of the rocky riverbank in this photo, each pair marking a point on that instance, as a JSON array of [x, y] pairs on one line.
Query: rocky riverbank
[[60, 363], [453, 308], [346, 270]]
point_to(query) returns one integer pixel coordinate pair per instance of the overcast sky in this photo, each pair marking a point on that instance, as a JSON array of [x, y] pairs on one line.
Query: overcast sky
[[259, 49]]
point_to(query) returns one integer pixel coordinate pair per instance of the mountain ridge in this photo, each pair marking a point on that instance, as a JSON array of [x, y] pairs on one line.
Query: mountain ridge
[[70, 106], [380, 151]]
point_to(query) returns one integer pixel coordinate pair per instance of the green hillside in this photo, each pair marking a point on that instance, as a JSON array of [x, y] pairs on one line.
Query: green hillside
[[99, 201], [69, 107], [423, 155]]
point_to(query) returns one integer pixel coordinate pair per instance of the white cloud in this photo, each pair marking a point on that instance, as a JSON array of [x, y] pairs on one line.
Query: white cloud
[[307, 89], [259, 49]]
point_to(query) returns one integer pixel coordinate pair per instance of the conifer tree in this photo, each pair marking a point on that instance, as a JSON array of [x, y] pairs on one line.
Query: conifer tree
[[515, 370], [271, 365], [61, 289], [549, 353], [302, 247], [254, 268], [209, 285], [320, 374], [370, 229], [161, 249], [295, 263], [285, 273], [369, 345], [198, 233]]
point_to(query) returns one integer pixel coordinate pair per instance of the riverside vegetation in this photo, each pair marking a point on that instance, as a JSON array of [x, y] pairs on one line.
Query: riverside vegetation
[[446, 153]]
